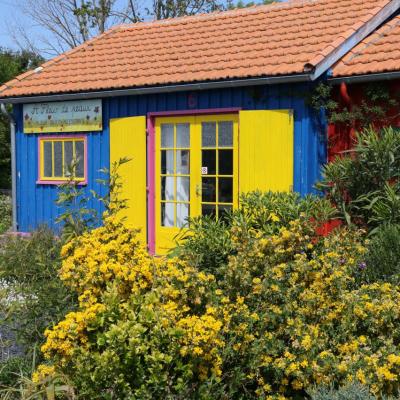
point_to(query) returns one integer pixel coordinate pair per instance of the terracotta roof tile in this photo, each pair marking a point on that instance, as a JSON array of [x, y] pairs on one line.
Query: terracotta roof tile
[[271, 40], [378, 53]]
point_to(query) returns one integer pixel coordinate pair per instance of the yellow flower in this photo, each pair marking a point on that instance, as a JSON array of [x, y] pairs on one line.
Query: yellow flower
[[297, 385], [385, 374], [393, 359], [273, 217], [42, 373], [361, 377], [306, 342]]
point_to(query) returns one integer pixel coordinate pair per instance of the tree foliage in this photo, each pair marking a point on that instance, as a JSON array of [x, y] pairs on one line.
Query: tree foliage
[[11, 64]]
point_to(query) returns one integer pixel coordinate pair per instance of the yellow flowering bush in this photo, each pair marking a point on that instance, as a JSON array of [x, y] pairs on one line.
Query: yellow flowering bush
[[288, 311], [145, 326], [296, 315]]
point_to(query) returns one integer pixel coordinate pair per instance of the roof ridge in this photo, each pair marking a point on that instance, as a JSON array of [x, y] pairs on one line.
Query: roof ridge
[[373, 38], [331, 47], [57, 59], [278, 5]]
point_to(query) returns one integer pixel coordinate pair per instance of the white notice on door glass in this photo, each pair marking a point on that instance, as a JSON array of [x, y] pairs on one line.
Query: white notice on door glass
[[204, 170]]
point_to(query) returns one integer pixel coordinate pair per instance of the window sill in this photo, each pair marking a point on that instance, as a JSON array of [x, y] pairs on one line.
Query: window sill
[[60, 182]]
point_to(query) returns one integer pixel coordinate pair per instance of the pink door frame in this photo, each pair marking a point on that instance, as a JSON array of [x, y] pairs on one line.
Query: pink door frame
[[151, 154]]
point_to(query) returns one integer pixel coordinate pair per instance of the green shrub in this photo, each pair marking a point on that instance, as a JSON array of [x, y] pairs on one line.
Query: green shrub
[[383, 257], [12, 368], [33, 297], [364, 183], [267, 212], [5, 213], [351, 391], [207, 243]]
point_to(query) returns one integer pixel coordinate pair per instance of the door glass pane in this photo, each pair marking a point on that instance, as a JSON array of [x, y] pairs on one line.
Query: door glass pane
[[167, 135], [208, 210], [225, 134], [48, 157], [68, 156], [182, 161], [209, 188], [225, 190], [167, 188], [167, 214], [209, 161], [80, 156], [167, 161], [225, 162], [58, 163], [182, 135], [182, 214], [183, 189], [208, 134]]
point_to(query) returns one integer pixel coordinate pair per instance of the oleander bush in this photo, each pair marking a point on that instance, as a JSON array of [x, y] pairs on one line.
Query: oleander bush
[[288, 311], [364, 183]]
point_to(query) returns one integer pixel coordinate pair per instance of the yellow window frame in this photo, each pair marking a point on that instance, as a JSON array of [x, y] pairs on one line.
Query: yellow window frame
[[64, 178]]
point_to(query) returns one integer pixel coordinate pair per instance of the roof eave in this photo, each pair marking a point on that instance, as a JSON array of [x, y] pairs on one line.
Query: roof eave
[[268, 80], [373, 77]]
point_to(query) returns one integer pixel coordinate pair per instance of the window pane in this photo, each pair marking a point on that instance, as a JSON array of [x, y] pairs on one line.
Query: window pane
[[167, 214], [225, 134], [48, 157], [208, 192], [167, 161], [80, 156], [208, 210], [182, 135], [167, 188], [182, 214], [182, 162], [209, 161], [208, 134], [68, 156], [58, 162], [225, 190], [183, 189], [225, 162], [167, 135]]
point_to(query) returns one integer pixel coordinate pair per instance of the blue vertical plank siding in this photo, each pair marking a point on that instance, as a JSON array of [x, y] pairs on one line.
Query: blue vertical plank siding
[[36, 202]]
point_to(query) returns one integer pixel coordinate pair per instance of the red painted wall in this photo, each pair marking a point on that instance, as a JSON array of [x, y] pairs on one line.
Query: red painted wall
[[340, 136]]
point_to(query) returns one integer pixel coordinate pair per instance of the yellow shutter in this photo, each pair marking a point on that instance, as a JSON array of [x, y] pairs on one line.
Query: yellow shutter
[[266, 150], [128, 139]]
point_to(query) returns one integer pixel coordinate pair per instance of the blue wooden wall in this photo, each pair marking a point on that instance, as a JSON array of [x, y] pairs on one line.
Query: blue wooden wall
[[36, 203]]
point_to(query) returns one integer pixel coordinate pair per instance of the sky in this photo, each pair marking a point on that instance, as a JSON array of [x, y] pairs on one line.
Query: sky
[[8, 13]]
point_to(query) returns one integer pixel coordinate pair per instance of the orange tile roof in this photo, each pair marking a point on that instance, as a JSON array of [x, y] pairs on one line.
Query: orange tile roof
[[379, 52], [271, 40]]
